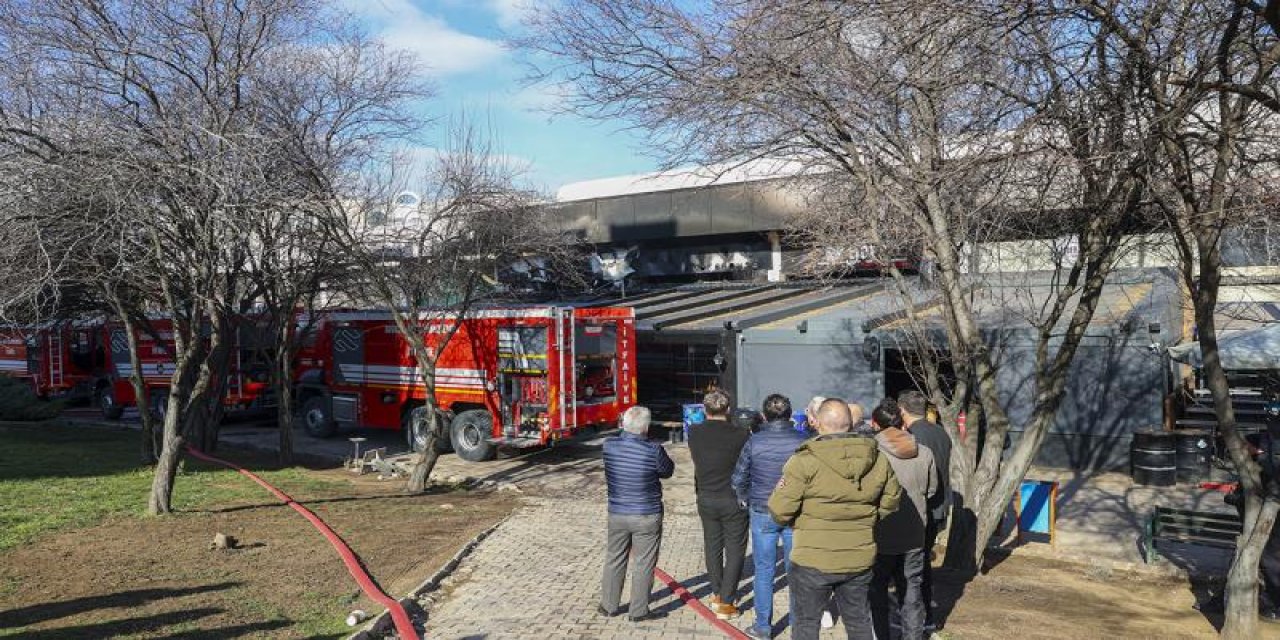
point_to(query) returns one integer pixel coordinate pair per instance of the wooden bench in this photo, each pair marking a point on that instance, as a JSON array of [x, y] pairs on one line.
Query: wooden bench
[[1205, 528]]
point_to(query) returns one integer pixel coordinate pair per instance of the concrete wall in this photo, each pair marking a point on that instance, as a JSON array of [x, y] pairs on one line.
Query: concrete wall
[[1139, 251], [764, 205]]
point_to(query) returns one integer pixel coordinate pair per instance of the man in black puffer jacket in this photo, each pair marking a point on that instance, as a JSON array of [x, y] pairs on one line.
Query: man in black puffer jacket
[[754, 478]]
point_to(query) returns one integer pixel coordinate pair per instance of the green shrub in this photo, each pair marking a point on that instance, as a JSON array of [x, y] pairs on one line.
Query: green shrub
[[19, 403]]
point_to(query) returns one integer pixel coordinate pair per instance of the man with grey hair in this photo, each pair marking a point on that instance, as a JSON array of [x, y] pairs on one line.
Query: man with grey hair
[[811, 412], [634, 468]]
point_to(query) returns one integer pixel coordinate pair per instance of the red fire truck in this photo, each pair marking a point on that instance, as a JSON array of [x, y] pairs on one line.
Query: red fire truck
[[90, 359], [53, 358], [516, 376], [248, 379]]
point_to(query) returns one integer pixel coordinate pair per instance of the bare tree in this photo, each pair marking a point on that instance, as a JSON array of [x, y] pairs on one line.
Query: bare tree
[[431, 254], [333, 110], [213, 114], [926, 121], [1207, 93]]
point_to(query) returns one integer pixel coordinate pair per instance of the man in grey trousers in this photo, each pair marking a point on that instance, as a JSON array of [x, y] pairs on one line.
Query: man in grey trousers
[[633, 469]]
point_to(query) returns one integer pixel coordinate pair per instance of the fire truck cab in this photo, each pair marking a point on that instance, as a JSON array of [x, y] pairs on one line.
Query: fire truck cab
[[523, 376]]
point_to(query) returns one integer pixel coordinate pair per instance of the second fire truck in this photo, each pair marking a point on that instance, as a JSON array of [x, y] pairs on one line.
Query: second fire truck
[[82, 360]]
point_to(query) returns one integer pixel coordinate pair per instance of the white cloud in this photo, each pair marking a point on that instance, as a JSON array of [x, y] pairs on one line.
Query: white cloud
[[441, 48], [543, 97], [509, 13]]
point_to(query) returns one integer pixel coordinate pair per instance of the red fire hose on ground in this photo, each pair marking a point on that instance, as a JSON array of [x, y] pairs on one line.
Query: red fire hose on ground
[[696, 605], [404, 626]]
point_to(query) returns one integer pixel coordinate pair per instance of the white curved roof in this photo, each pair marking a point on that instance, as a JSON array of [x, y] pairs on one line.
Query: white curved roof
[[685, 178]]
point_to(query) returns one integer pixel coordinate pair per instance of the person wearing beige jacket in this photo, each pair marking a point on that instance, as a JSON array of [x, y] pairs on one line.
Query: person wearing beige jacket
[[900, 538], [833, 491]]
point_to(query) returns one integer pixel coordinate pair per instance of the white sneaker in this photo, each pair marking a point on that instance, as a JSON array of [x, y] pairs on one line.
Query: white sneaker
[[827, 620]]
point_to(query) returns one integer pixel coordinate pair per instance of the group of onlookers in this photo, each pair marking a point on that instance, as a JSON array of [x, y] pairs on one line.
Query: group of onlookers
[[856, 506]]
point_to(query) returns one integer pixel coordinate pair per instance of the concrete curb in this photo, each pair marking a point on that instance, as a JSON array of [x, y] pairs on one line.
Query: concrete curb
[[381, 624]]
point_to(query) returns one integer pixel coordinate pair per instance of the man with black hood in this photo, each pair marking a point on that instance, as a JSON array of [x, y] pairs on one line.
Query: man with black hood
[[900, 538]]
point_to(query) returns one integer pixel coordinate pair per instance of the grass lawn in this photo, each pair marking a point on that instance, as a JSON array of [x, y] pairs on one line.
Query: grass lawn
[[54, 477], [79, 558]]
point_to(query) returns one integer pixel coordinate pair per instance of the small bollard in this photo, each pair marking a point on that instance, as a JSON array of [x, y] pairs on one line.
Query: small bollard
[[355, 458]]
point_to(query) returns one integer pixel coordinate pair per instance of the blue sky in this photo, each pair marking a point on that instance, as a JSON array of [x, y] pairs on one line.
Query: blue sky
[[461, 44]]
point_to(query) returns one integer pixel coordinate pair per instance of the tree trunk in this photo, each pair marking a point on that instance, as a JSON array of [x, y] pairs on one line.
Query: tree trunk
[[151, 441], [205, 408], [962, 541], [425, 461], [161, 500], [149, 444], [282, 375], [178, 407], [1241, 615], [284, 422]]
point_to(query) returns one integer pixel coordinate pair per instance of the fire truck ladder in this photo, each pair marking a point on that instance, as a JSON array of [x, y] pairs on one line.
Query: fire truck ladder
[[55, 359]]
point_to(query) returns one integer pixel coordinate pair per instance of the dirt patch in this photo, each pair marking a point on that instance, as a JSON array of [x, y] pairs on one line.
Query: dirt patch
[[1033, 598], [157, 577]]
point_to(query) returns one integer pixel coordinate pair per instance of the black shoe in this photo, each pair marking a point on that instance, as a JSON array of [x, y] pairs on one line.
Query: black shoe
[[652, 615], [605, 612]]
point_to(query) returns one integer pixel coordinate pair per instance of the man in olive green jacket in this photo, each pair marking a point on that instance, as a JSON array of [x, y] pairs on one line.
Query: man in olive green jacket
[[833, 491]]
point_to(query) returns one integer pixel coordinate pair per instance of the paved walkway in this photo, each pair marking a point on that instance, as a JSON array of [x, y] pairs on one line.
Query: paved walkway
[[538, 575]]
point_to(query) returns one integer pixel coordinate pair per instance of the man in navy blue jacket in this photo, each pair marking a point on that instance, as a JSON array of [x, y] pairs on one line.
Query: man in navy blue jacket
[[633, 470], [754, 478]]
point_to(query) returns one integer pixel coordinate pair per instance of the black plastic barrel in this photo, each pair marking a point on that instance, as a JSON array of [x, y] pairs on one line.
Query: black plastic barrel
[[1193, 449], [1152, 456]]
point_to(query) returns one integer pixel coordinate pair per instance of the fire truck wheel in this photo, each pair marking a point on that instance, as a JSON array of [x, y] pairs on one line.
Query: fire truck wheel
[[415, 431], [111, 410], [470, 431], [316, 420]]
